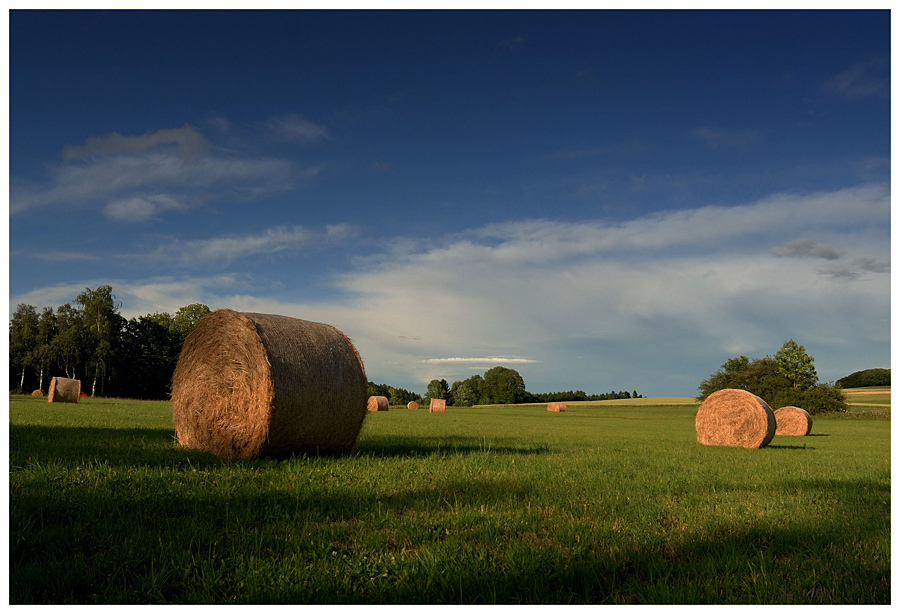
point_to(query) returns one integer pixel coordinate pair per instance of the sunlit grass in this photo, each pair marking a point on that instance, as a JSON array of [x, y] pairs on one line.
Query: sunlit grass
[[600, 504]]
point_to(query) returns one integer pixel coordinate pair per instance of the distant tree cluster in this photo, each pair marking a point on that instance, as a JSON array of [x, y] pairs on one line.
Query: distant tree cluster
[[395, 396], [787, 379], [89, 340], [504, 386], [867, 377]]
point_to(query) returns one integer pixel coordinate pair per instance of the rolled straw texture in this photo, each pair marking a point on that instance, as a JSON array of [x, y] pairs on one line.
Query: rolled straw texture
[[735, 418], [37, 393], [250, 385], [64, 390], [792, 420], [412, 405], [377, 404], [556, 407], [437, 406]]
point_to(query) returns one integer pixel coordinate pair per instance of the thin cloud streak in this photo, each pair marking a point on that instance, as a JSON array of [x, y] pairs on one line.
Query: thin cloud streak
[[224, 250]]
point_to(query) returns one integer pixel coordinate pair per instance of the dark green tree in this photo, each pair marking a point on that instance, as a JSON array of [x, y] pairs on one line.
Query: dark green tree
[[68, 345], [866, 377], [102, 327], [43, 353], [502, 386], [439, 389], [796, 365], [23, 339]]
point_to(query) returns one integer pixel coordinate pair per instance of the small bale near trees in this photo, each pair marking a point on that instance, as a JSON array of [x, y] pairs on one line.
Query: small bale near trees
[[437, 406], [37, 393], [250, 385], [64, 390], [556, 407], [792, 420], [737, 418], [412, 405], [378, 404]]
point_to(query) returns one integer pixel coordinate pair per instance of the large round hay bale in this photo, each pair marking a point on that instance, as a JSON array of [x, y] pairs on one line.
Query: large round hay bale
[[412, 405], [437, 406], [556, 407], [37, 393], [251, 384], [736, 418], [64, 390], [792, 420], [377, 404]]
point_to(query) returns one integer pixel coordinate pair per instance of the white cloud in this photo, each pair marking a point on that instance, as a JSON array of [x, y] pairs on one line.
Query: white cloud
[[137, 178], [226, 249], [189, 143], [724, 138], [861, 80], [295, 128], [654, 304]]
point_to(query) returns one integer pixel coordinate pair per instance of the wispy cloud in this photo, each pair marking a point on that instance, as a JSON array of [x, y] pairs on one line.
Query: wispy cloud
[[715, 138], [133, 179], [189, 143], [862, 80], [857, 268], [226, 249], [805, 248], [295, 128]]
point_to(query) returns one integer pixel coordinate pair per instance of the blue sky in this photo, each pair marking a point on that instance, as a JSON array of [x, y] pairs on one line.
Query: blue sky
[[602, 200]]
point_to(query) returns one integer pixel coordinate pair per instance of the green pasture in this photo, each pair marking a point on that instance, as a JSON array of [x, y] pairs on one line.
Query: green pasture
[[611, 503]]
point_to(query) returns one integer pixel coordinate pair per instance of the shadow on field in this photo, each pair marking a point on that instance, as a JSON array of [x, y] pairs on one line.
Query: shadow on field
[[157, 447], [447, 445], [121, 447]]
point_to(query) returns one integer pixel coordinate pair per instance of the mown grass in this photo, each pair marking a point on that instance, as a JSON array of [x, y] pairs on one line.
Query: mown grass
[[601, 504]]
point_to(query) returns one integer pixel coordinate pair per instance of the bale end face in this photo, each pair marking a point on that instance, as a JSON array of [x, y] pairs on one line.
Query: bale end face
[[437, 406], [736, 418], [377, 404], [792, 420], [64, 390], [412, 405]]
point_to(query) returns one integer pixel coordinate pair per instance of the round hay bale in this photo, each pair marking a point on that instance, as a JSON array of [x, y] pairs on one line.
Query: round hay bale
[[792, 420], [64, 390], [377, 404], [735, 418], [251, 384], [437, 406], [412, 405], [37, 393], [556, 407]]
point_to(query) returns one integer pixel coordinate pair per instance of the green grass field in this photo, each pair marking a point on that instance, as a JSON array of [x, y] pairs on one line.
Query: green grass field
[[605, 503]]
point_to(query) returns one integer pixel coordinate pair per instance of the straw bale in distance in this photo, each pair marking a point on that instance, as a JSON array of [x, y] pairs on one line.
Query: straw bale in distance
[[792, 420], [412, 405], [437, 406], [64, 390], [737, 418], [37, 393], [377, 404], [556, 407], [250, 385]]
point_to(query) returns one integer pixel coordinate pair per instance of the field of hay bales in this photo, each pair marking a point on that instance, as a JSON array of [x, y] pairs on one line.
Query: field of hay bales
[[606, 503]]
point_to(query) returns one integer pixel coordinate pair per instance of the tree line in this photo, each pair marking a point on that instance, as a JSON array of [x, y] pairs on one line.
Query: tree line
[[787, 379], [498, 386], [88, 339]]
